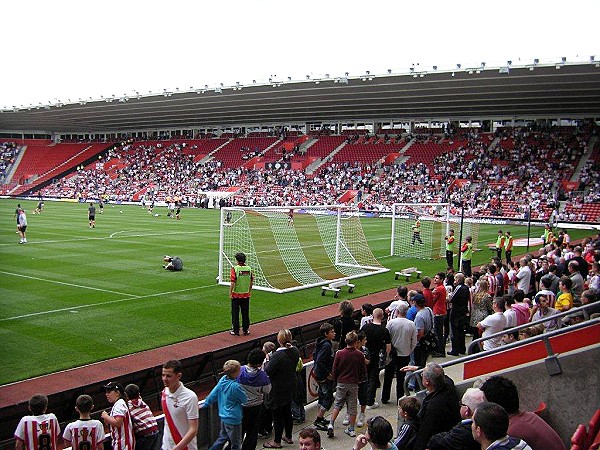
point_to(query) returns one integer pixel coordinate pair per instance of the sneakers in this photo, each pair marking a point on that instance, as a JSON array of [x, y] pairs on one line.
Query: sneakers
[[360, 421], [373, 406], [321, 423], [233, 333], [330, 431], [350, 432], [246, 333], [346, 420]]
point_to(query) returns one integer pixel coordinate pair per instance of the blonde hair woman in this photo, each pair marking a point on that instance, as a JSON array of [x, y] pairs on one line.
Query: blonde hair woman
[[482, 303]]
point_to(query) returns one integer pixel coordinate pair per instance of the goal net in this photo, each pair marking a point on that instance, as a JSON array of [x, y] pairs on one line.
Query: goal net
[[419, 229], [295, 248]]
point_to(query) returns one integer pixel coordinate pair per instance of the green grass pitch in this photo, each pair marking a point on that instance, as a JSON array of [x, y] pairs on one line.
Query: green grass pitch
[[74, 295]]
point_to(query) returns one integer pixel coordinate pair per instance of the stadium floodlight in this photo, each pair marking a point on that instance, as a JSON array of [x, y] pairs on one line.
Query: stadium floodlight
[[292, 248]]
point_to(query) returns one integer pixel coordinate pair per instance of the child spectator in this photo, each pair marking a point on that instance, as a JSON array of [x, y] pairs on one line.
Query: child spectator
[[345, 323], [367, 314], [85, 433], [266, 412], [323, 366], [363, 385], [256, 384], [408, 408], [349, 369], [119, 419], [38, 427], [144, 423], [230, 396], [427, 292], [564, 301]]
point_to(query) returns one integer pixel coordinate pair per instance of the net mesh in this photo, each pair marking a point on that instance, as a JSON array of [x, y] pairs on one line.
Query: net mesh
[[290, 250], [425, 239]]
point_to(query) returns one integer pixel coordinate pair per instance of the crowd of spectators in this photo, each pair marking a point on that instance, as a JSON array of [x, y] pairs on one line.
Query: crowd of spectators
[[521, 172], [8, 153]]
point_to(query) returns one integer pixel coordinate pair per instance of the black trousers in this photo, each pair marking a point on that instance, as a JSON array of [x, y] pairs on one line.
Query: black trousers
[[508, 256], [393, 370], [238, 304], [250, 425], [466, 267], [458, 323], [450, 258]]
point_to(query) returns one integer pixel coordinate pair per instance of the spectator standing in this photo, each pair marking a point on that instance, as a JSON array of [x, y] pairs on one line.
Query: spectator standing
[[256, 384], [379, 345], [84, 433], [403, 335], [282, 372], [230, 397], [494, 323], [439, 312], [349, 369], [322, 370], [119, 419], [39, 427], [144, 423], [240, 290], [459, 315], [180, 407], [424, 321], [482, 303], [344, 324], [523, 276]]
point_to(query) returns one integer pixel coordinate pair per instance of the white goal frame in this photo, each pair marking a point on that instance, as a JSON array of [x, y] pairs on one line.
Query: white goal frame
[[416, 211], [339, 244]]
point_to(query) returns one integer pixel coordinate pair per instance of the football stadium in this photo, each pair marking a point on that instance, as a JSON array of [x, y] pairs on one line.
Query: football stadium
[[429, 221]]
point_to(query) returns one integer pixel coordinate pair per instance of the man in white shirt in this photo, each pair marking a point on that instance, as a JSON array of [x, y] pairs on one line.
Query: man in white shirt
[[523, 276], [180, 406], [494, 323]]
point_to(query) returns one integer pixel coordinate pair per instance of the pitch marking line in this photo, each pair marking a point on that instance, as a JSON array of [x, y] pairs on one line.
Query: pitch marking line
[[60, 241], [72, 308]]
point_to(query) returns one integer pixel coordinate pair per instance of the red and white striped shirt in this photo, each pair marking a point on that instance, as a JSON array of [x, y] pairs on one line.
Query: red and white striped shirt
[[84, 433], [142, 418], [122, 437], [38, 432]]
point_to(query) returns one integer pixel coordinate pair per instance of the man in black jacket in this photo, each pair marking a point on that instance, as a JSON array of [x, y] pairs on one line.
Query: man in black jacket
[[439, 410], [459, 315]]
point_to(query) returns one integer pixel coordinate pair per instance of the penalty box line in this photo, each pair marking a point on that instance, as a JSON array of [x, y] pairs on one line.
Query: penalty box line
[[129, 297]]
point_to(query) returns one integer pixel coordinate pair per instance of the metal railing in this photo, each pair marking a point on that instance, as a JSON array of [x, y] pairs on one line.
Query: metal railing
[[545, 337]]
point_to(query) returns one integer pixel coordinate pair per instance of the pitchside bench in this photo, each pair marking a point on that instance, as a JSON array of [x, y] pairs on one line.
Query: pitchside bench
[[408, 272], [336, 287]]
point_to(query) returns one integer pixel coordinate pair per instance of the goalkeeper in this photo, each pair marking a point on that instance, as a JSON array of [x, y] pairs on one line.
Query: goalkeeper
[[174, 263], [416, 229]]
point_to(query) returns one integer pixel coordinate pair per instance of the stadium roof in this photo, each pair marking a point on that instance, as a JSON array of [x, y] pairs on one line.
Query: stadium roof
[[560, 90]]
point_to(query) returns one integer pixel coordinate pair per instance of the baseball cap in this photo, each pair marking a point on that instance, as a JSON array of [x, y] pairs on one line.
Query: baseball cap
[[112, 386]]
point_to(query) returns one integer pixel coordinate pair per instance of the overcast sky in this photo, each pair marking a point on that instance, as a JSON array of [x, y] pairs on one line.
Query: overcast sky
[[60, 50]]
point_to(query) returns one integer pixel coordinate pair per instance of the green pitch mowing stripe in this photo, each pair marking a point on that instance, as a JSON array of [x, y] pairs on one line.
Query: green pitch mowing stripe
[[75, 295]]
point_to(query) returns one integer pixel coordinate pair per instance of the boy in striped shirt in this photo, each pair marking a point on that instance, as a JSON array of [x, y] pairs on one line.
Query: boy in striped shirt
[[144, 423]]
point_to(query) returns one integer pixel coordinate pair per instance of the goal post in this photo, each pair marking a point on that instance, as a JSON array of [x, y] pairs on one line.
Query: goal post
[[419, 229], [291, 248]]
